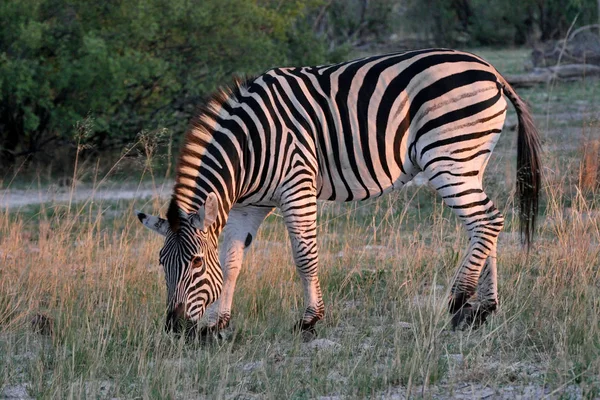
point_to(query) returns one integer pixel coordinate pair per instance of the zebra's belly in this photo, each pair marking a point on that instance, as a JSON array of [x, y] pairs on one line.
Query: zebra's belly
[[351, 188]]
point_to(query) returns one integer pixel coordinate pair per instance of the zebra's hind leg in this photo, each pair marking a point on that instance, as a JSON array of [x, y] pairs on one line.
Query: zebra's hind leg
[[462, 192], [487, 291], [299, 210], [475, 313]]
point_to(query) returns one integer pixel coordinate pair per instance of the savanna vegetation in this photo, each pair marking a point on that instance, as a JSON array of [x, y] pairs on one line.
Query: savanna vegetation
[[101, 93]]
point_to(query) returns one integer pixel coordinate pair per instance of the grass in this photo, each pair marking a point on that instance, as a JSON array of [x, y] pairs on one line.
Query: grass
[[385, 268], [507, 61]]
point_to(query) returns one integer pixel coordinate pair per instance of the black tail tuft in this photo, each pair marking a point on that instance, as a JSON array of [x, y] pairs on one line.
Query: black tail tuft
[[528, 175], [528, 167]]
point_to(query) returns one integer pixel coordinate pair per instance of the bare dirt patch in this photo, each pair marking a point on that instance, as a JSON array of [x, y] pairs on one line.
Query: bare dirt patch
[[16, 198]]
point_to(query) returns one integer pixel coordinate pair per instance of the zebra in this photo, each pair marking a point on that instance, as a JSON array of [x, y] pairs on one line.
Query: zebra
[[343, 132]]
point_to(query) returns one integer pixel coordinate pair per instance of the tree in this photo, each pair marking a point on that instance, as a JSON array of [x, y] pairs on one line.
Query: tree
[[495, 22], [132, 64]]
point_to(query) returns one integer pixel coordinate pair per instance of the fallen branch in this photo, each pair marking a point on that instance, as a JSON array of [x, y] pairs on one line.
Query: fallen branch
[[582, 46], [560, 73]]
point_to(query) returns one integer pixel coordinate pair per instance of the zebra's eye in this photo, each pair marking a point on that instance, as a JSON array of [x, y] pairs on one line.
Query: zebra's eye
[[197, 262]]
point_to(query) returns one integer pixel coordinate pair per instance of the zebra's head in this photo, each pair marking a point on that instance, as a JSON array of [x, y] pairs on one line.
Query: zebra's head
[[189, 258]]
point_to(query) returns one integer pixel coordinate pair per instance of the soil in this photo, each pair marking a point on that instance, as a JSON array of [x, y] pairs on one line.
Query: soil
[[16, 198]]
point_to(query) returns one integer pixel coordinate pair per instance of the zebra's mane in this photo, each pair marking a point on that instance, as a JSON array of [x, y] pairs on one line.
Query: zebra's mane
[[208, 111], [197, 137]]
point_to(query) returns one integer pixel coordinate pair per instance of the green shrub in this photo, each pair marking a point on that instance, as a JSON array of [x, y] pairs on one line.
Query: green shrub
[[132, 64]]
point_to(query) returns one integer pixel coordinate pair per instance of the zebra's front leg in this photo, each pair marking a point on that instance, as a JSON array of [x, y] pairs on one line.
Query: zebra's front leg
[[300, 215], [238, 235]]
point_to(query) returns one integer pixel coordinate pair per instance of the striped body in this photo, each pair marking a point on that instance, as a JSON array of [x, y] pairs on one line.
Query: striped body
[[354, 122], [346, 132]]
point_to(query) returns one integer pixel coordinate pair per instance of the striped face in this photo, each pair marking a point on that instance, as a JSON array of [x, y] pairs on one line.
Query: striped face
[[183, 258], [192, 271]]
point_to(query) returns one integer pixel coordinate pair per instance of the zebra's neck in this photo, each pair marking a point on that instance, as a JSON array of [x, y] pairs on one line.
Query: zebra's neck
[[211, 158]]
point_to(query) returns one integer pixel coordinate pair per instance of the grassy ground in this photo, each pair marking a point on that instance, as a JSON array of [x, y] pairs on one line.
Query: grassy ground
[[82, 295]]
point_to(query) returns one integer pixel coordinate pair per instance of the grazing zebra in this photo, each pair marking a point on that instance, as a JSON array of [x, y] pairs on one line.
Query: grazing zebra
[[343, 132]]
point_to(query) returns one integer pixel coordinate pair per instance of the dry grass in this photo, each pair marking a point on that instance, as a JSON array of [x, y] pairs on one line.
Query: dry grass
[[82, 304], [589, 172], [385, 285]]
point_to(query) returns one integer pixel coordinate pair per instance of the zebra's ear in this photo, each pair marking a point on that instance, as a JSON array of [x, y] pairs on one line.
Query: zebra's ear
[[206, 215], [151, 222]]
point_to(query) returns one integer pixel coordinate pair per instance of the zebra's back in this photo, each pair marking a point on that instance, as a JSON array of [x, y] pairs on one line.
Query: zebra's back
[[374, 123]]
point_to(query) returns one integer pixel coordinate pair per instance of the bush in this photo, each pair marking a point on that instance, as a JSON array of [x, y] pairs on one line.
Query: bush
[[131, 64]]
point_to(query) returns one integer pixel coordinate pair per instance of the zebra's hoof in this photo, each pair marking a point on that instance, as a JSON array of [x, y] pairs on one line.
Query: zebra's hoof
[[461, 317], [307, 330], [470, 317], [207, 331], [207, 334], [309, 335], [457, 302]]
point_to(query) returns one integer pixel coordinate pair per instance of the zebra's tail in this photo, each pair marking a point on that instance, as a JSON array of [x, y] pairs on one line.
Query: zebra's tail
[[528, 165]]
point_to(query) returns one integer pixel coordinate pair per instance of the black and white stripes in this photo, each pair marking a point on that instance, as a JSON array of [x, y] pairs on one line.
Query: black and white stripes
[[343, 132]]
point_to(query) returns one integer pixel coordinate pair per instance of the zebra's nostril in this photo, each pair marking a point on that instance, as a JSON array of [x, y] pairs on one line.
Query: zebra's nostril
[[175, 318], [179, 311]]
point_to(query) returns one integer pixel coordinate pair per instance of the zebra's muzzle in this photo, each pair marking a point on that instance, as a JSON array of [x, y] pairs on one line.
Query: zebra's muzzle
[[176, 321]]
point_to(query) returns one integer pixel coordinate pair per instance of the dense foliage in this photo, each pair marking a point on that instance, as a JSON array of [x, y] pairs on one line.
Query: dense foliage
[[498, 22], [132, 64], [125, 66]]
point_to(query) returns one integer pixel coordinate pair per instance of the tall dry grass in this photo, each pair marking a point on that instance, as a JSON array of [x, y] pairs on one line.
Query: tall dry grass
[[589, 170], [386, 266]]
